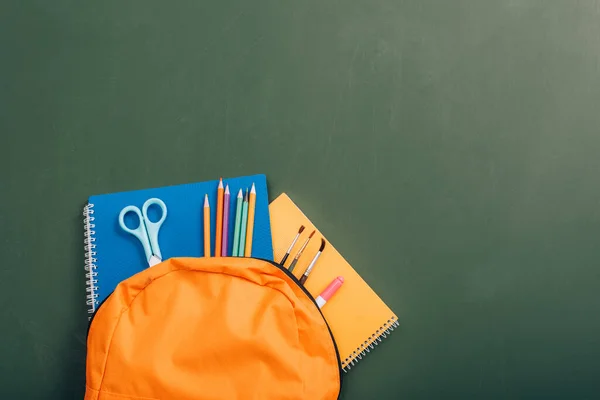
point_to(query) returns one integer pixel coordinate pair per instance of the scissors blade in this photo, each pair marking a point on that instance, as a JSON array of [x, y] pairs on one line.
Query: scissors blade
[[154, 260]]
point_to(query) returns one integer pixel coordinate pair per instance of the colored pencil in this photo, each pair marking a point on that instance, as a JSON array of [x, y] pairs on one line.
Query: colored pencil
[[295, 260], [244, 225], [219, 227], [289, 250], [225, 241], [206, 227], [238, 222], [250, 228], [312, 263]]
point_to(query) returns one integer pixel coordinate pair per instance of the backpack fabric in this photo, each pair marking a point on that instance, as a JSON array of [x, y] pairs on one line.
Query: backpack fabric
[[211, 328]]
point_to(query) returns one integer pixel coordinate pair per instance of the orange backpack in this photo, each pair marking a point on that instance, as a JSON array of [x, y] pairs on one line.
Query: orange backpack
[[211, 328]]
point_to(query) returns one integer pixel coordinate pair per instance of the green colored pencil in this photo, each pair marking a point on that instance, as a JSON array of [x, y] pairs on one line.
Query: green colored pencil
[[242, 247], [238, 221]]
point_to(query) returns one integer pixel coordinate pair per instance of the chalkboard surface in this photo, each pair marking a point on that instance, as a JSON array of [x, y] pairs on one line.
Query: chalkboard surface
[[449, 149]]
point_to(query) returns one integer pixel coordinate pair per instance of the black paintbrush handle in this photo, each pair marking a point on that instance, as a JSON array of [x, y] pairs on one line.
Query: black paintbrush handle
[[284, 259], [292, 265], [303, 279]]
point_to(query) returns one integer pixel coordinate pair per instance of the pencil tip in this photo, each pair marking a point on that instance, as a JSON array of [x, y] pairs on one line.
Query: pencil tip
[[206, 204], [253, 190], [227, 189], [246, 195], [312, 234], [301, 229], [221, 183], [322, 245], [240, 193]]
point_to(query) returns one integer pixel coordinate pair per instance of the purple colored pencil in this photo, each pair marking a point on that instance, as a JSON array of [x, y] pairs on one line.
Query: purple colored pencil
[[225, 241]]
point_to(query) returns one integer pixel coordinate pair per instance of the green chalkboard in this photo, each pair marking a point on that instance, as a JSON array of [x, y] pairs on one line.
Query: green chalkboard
[[449, 149]]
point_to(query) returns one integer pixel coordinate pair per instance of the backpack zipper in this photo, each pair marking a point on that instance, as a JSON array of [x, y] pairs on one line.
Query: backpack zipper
[[310, 296]]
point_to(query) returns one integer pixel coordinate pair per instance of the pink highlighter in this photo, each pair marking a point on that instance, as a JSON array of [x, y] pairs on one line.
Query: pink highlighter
[[329, 291]]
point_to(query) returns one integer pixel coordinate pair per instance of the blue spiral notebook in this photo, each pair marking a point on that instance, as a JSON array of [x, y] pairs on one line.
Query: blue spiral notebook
[[113, 255]]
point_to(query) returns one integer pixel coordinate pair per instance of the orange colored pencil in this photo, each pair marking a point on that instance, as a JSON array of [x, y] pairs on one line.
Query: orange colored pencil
[[219, 227], [250, 227], [206, 227]]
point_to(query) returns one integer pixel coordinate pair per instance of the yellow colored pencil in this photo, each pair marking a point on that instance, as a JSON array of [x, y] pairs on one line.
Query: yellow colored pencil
[[219, 226], [250, 227], [206, 227]]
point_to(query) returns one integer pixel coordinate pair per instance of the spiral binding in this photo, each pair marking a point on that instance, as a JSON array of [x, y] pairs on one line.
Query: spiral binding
[[369, 344], [90, 258]]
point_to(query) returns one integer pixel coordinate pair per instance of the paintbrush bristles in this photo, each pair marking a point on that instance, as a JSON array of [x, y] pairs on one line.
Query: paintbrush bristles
[[322, 245], [301, 229], [311, 235]]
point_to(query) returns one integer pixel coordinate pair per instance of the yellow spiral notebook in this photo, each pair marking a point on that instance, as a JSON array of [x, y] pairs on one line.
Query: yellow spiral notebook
[[358, 318]]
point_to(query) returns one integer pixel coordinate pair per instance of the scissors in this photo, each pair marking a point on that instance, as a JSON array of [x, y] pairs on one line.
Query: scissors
[[147, 231]]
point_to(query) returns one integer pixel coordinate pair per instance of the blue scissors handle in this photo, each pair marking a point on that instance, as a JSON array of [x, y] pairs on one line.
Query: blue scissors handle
[[147, 231], [153, 227], [139, 232]]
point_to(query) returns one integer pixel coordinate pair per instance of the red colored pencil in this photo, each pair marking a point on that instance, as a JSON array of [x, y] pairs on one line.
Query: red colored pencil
[[225, 241]]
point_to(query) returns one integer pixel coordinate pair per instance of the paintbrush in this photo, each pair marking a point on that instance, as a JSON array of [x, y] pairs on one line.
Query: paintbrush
[[312, 263], [295, 260], [289, 250]]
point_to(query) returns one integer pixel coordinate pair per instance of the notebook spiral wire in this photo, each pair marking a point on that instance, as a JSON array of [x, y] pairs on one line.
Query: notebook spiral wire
[[90, 258], [370, 344]]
